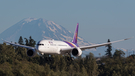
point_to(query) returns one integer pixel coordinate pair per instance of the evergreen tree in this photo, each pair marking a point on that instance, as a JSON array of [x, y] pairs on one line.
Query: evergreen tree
[[20, 41], [32, 42], [84, 71], [118, 54], [109, 49], [91, 65], [26, 42]]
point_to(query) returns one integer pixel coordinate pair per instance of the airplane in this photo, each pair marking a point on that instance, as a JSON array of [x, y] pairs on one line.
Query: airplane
[[60, 47]]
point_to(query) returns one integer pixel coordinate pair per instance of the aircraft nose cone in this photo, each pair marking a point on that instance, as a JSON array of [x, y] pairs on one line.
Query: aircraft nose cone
[[38, 48]]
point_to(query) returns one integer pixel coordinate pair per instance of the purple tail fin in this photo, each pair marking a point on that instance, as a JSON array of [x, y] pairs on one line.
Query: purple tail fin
[[76, 34]]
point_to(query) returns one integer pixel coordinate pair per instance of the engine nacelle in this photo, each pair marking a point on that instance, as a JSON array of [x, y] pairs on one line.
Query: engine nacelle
[[76, 52], [31, 52]]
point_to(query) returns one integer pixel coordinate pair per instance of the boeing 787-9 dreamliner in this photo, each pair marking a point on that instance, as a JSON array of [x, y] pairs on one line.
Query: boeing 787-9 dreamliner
[[60, 47]]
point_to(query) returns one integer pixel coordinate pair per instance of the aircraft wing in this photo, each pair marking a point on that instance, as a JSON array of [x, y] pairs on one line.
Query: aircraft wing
[[28, 47], [103, 44], [68, 50]]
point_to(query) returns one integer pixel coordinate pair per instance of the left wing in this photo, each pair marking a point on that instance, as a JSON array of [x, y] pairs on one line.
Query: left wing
[[28, 47], [66, 50], [103, 44]]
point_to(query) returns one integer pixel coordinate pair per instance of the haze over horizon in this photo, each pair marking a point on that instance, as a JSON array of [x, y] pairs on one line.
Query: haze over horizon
[[98, 20]]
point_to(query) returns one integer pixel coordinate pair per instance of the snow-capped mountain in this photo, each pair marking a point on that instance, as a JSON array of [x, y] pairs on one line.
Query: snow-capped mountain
[[39, 29]]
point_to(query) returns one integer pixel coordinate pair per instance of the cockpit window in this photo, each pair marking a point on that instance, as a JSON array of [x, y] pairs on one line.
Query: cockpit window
[[40, 44]]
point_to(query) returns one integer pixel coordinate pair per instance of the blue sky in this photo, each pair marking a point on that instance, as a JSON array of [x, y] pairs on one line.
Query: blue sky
[[99, 19]]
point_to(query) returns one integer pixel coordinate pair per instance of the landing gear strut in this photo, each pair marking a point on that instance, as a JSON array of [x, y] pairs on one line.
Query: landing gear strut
[[47, 58]]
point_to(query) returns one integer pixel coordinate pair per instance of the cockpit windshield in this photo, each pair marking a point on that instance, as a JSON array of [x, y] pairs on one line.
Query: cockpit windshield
[[40, 44]]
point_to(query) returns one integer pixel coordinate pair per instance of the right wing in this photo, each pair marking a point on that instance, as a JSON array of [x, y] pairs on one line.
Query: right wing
[[28, 47]]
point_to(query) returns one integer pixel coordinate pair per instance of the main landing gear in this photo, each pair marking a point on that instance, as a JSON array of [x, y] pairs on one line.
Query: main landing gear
[[69, 58]]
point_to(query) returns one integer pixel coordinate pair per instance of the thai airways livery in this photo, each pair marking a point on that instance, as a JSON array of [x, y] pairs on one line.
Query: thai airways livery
[[60, 47]]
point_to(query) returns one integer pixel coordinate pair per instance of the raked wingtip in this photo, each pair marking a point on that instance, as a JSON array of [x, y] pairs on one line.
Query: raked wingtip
[[128, 38]]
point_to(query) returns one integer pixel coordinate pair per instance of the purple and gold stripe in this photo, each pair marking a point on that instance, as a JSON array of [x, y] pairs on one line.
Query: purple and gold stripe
[[71, 44]]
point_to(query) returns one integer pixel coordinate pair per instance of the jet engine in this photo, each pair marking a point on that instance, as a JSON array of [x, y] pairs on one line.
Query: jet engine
[[76, 52], [31, 52]]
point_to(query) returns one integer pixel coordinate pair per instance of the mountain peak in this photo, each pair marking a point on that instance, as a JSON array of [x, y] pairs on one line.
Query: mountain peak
[[41, 19], [29, 19]]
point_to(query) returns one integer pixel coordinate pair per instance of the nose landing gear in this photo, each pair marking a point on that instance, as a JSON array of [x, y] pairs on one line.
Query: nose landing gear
[[48, 59]]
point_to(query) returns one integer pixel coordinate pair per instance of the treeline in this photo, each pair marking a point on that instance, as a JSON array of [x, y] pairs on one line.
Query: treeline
[[15, 62]]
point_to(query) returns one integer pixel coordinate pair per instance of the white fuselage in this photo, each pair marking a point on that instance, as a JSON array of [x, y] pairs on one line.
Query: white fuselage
[[52, 46]]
